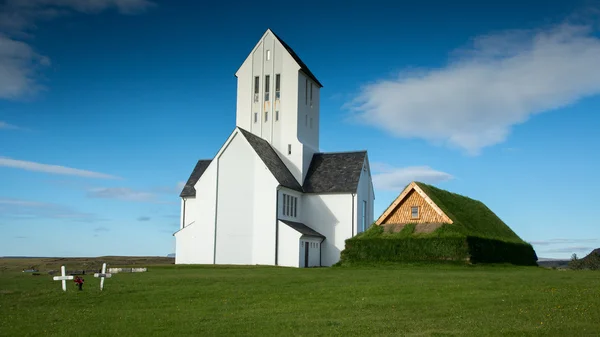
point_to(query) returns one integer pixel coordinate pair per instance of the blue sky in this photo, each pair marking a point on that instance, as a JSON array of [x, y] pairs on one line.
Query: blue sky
[[494, 100]]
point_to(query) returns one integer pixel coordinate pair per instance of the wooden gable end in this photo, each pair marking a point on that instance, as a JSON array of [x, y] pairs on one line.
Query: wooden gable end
[[404, 212], [401, 210]]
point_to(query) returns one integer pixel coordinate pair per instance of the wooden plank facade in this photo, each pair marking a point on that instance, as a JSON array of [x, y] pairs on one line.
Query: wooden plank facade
[[402, 214]]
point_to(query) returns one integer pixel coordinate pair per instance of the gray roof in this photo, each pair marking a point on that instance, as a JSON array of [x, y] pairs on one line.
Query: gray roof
[[299, 61], [188, 189], [302, 228], [272, 161], [334, 172]]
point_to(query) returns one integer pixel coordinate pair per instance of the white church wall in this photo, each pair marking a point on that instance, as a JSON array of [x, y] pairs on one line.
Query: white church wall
[[308, 111], [185, 245], [244, 95], [190, 211], [205, 215], [287, 248], [196, 239], [235, 206], [289, 118], [264, 216], [331, 215], [364, 195]]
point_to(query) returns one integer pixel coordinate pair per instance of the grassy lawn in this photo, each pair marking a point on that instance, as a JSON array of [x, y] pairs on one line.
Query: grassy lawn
[[237, 301]]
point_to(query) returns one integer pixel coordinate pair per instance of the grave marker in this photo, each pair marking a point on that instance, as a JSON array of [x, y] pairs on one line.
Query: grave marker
[[102, 276], [64, 277]]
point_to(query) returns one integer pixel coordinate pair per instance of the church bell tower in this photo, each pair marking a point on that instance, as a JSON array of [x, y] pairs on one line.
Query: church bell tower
[[278, 100]]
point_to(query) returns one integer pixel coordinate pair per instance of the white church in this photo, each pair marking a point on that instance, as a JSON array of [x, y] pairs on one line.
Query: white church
[[269, 197]]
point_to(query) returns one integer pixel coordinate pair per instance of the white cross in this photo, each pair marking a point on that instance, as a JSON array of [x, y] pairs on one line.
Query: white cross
[[63, 278], [102, 275]]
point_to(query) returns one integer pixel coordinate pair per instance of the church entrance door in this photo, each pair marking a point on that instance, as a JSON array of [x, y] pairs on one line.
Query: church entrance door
[[306, 255]]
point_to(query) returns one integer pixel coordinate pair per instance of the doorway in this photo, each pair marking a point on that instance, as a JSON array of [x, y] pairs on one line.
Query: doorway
[[306, 255]]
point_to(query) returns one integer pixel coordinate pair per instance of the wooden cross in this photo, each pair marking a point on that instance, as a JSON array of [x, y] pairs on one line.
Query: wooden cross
[[64, 277], [102, 276]]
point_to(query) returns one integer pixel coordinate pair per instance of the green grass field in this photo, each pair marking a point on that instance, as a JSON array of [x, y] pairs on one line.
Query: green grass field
[[270, 301]]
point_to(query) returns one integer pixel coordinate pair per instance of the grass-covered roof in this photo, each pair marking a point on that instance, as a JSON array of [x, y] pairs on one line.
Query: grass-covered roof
[[471, 217]]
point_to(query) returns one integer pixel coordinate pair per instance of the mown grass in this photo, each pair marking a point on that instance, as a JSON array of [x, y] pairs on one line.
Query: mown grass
[[389, 299]]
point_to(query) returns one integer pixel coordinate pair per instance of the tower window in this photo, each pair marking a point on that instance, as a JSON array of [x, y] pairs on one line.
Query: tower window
[[311, 90], [255, 117], [311, 122], [267, 82], [256, 83], [276, 115], [306, 92], [305, 120], [268, 54], [289, 148], [266, 116], [277, 86]]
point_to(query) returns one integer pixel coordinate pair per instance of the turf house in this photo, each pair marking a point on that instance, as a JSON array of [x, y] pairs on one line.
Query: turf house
[[425, 223]]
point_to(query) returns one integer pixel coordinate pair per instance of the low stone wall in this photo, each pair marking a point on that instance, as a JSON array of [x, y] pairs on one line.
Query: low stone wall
[[126, 270]]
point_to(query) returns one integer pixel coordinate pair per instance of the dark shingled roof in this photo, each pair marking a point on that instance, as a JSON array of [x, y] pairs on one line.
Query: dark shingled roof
[[299, 61], [334, 172], [302, 228], [272, 160], [188, 189]]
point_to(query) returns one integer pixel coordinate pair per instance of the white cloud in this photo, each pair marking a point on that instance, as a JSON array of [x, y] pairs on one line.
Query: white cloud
[[395, 179], [500, 81], [26, 209], [18, 68], [562, 241], [121, 193], [19, 62], [54, 169], [6, 126]]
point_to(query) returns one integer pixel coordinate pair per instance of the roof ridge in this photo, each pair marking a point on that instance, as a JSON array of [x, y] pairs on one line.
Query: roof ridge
[[297, 58], [340, 152]]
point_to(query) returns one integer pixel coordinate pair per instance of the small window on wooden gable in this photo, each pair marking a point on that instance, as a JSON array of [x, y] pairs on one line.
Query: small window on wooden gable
[[414, 212]]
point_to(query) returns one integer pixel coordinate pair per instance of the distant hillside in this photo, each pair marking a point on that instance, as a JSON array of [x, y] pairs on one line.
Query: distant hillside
[[45, 264], [591, 261]]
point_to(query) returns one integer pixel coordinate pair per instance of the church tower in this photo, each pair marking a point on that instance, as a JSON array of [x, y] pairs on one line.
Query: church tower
[[278, 100]]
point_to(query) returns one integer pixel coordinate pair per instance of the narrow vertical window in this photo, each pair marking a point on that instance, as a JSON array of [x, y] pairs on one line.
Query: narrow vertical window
[[306, 92], [266, 116], [256, 83], [311, 90], [311, 122], [277, 86], [268, 54], [305, 120], [276, 115], [289, 148], [267, 84], [295, 206], [364, 215], [255, 117], [284, 204]]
